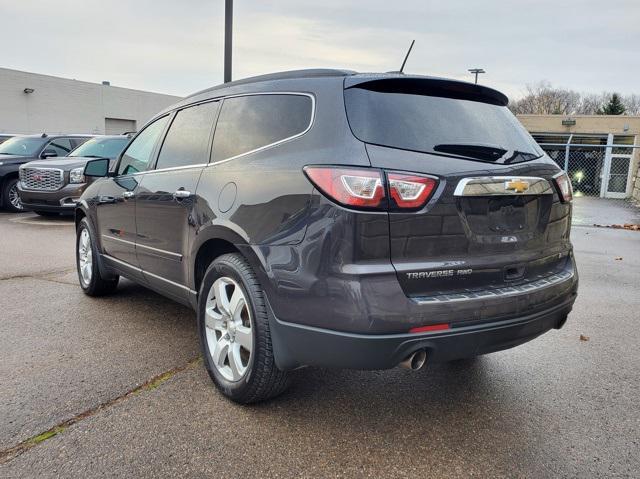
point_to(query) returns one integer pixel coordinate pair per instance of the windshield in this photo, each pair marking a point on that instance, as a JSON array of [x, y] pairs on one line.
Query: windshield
[[101, 148], [438, 124], [25, 146]]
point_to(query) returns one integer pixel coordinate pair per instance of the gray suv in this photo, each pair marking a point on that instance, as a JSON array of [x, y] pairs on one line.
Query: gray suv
[[19, 150], [53, 186], [334, 219]]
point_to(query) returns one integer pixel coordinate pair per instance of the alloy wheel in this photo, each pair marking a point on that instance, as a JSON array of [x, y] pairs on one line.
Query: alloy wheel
[[228, 329], [14, 198], [85, 257]]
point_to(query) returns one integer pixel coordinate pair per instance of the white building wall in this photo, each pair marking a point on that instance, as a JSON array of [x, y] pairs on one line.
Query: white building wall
[[60, 105]]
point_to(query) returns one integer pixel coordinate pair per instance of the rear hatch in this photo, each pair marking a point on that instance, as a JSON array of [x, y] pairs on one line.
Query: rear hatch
[[496, 220]]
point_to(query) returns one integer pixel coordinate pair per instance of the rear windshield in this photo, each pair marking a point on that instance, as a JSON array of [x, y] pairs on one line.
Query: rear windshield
[[438, 124]]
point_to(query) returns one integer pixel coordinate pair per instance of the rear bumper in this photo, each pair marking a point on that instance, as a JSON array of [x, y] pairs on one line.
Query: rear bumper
[[297, 345], [60, 201]]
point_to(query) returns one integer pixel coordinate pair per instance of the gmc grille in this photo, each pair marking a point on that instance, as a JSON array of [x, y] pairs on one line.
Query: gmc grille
[[48, 179]]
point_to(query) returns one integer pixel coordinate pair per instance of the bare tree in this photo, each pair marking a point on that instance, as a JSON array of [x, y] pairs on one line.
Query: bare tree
[[632, 104], [590, 104], [543, 99]]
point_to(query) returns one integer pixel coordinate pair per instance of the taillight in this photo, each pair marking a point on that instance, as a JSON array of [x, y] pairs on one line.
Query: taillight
[[564, 186], [351, 187], [410, 191], [365, 187]]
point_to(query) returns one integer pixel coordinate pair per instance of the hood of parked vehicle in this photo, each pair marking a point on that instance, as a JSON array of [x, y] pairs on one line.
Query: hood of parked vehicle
[[62, 162], [14, 159]]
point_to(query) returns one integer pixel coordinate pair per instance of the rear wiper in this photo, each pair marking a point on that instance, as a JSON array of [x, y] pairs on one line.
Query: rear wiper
[[472, 150]]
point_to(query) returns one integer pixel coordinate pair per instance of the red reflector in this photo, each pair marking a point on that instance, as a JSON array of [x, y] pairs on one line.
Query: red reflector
[[431, 327]]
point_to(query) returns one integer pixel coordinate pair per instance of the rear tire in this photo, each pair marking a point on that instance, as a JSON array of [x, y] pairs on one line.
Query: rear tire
[[46, 214], [235, 331], [10, 198], [92, 280]]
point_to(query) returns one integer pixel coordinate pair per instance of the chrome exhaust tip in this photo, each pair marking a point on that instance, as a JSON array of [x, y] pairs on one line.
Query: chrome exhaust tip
[[415, 360]]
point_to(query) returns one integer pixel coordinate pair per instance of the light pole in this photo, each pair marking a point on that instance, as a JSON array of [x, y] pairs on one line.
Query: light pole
[[475, 71], [228, 37]]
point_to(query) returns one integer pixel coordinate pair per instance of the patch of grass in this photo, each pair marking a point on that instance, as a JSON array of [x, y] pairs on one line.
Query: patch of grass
[[158, 381], [46, 435], [11, 453]]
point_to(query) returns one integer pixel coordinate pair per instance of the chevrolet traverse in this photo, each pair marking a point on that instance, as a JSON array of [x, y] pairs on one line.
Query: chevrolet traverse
[[335, 219]]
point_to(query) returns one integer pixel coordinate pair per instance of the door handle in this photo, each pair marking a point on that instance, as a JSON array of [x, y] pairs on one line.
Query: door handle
[[181, 194], [106, 199], [128, 194]]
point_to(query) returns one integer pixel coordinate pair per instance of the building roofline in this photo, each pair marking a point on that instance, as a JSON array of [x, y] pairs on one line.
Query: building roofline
[[552, 115], [91, 83]]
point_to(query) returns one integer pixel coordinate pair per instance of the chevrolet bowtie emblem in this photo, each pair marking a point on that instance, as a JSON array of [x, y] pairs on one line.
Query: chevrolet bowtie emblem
[[519, 186]]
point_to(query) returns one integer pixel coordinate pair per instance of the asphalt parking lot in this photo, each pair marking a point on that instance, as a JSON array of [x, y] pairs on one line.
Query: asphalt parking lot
[[113, 387]]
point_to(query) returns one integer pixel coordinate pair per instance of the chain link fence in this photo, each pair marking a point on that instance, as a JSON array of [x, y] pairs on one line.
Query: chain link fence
[[604, 174]]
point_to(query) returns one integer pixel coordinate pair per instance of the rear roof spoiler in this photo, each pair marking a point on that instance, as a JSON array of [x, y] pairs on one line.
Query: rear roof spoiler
[[430, 86]]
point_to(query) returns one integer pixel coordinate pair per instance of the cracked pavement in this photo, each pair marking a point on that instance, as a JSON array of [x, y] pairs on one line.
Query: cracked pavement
[[112, 386]]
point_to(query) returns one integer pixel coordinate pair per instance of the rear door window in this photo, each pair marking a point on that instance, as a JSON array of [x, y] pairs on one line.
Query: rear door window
[[417, 120], [187, 141], [138, 154], [248, 123]]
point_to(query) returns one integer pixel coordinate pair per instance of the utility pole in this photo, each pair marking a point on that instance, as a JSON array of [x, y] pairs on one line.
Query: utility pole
[[475, 71], [228, 37]]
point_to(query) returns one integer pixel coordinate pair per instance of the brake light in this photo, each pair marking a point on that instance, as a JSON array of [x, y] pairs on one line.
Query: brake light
[[366, 188], [351, 187], [564, 186], [410, 191]]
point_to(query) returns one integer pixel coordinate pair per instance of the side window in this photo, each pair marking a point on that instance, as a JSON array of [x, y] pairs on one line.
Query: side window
[[62, 146], [187, 140], [247, 123], [137, 156]]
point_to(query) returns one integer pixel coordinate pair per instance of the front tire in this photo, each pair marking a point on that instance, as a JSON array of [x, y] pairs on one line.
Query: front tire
[[234, 333], [11, 198], [92, 280]]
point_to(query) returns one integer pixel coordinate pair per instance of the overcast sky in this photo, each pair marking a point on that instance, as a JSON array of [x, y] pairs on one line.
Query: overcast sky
[[177, 46]]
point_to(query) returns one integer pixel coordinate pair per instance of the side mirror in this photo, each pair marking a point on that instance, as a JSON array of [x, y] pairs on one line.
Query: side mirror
[[97, 168], [48, 153]]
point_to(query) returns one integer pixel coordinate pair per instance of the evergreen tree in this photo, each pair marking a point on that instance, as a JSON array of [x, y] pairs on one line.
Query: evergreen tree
[[613, 107]]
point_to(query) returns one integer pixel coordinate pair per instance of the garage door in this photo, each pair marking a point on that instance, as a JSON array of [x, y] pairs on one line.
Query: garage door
[[117, 126]]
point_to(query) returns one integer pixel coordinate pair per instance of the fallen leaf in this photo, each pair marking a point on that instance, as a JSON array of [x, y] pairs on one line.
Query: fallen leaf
[[619, 258], [584, 338]]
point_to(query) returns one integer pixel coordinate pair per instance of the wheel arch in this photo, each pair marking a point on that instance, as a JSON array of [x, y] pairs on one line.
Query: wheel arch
[[213, 242], [78, 214], [9, 176]]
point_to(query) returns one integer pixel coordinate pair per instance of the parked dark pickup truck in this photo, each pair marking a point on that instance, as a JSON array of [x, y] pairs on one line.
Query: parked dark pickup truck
[[50, 187]]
